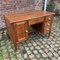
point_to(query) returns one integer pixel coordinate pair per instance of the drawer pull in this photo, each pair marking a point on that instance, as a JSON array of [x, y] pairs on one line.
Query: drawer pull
[[47, 29], [26, 31], [48, 24], [49, 18]]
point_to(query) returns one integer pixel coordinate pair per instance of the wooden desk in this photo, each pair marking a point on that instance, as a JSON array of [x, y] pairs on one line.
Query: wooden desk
[[18, 23]]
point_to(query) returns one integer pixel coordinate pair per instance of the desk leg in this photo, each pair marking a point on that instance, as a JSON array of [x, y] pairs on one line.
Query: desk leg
[[49, 33], [15, 46]]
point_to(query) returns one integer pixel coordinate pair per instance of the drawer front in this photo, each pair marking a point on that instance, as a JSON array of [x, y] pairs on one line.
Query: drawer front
[[49, 18], [46, 30], [48, 23], [36, 20], [21, 31], [47, 26]]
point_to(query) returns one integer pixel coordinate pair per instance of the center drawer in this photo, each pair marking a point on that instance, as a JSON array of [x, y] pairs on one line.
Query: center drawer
[[36, 20]]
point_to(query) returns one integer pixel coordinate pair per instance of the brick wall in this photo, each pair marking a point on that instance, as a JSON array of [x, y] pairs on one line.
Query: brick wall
[[12, 6], [57, 2], [38, 4], [17, 5]]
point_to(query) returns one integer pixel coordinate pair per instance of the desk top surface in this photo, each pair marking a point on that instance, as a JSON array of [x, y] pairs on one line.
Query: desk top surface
[[26, 15]]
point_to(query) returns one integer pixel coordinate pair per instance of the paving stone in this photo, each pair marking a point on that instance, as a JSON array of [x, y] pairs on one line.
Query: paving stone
[[25, 56], [41, 58], [34, 59], [50, 54], [56, 49], [52, 45], [0, 36], [26, 48], [44, 55], [35, 52], [47, 59], [31, 56], [37, 47], [53, 58], [43, 42], [38, 55], [55, 54], [54, 39], [49, 42], [58, 58], [42, 46], [6, 59], [28, 52], [41, 51], [34, 44], [38, 43], [32, 48], [59, 52], [46, 50], [53, 42], [59, 48], [51, 49], [56, 45], [57, 42], [47, 46], [29, 44]]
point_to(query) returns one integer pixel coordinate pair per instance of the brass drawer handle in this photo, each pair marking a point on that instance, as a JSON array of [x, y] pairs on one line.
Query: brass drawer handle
[[47, 29], [26, 31], [48, 24], [49, 18]]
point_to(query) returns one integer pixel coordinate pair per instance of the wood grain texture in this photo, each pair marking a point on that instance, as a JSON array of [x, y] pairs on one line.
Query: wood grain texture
[[18, 23]]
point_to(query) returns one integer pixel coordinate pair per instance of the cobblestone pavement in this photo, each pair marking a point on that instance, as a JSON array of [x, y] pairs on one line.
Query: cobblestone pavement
[[37, 47]]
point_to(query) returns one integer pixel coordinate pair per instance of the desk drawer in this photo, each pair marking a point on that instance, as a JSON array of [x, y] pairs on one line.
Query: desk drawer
[[49, 18], [48, 23], [36, 20]]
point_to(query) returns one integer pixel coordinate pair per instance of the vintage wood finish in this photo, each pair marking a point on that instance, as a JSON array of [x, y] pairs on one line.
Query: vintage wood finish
[[48, 24], [36, 20], [18, 23], [21, 31]]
